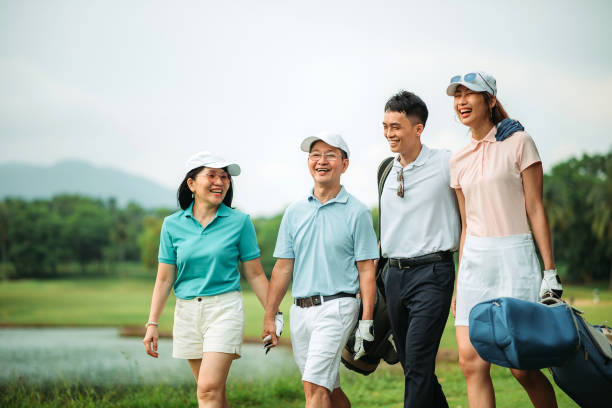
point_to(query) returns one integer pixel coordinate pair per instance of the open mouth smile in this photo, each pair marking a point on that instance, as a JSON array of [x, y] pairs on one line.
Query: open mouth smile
[[464, 112]]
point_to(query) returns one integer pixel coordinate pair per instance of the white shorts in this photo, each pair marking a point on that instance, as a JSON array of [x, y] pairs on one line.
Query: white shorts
[[318, 336], [496, 267], [208, 324]]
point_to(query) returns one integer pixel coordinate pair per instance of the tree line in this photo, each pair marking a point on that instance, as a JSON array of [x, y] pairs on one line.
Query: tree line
[[38, 238]]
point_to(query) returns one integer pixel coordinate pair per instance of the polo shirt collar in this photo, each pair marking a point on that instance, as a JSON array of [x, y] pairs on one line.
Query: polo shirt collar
[[342, 197], [222, 211], [489, 138], [421, 159], [188, 212]]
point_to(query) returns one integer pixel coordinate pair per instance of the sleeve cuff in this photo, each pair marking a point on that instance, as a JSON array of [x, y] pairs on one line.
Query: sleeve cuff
[[250, 257]]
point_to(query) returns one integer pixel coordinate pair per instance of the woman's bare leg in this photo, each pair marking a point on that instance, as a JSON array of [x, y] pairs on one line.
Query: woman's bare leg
[[476, 371], [540, 391], [210, 374]]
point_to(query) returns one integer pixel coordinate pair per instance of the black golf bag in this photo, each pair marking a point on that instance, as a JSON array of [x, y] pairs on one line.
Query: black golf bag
[[382, 347]]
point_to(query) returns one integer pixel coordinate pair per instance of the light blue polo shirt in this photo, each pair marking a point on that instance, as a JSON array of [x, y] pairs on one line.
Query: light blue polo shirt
[[206, 258], [326, 240]]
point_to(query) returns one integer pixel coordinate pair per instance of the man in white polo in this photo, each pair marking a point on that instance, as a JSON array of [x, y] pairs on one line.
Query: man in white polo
[[326, 242], [420, 228]]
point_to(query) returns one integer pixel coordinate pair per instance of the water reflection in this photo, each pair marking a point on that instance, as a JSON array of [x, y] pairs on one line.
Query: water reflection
[[99, 355]]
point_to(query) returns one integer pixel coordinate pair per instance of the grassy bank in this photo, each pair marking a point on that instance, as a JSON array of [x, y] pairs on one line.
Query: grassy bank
[[383, 389]]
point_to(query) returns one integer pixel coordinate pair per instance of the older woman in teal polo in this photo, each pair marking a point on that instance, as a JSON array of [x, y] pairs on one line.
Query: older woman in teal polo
[[199, 251]]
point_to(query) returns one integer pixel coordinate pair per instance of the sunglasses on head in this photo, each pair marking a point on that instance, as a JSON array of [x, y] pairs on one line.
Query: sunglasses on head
[[471, 77]]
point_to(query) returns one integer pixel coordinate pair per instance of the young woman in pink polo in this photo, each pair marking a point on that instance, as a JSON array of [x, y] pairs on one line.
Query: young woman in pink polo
[[498, 181]]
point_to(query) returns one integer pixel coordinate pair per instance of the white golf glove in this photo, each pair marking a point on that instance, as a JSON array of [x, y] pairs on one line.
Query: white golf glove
[[364, 331], [551, 285], [278, 325]]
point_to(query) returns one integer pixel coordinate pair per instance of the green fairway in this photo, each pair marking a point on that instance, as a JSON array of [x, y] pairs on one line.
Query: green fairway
[[99, 302]]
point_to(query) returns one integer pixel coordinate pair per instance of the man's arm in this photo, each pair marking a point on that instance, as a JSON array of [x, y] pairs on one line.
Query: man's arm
[[367, 285], [461, 204], [279, 282]]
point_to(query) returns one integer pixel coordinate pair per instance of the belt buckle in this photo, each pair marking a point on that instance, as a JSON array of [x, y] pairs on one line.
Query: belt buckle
[[400, 266], [316, 300]]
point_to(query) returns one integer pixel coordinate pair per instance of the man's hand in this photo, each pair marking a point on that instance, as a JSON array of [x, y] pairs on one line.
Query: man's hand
[[364, 331], [551, 285], [270, 336]]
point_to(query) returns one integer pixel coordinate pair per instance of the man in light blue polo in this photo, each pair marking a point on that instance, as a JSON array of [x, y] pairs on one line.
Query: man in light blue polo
[[327, 244]]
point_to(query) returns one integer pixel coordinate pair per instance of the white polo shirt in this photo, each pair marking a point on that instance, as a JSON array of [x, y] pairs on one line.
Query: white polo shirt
[[427, 218]]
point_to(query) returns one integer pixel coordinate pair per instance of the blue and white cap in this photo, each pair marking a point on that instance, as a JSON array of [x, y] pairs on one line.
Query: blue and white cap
[[478, 81]]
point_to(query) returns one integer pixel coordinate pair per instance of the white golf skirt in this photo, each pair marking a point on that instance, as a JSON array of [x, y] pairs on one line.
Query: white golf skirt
[[496, 267]]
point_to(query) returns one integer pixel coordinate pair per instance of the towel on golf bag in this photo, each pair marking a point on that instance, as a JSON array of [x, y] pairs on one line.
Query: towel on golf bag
[[382, 346], [587, 376], [526, 335]]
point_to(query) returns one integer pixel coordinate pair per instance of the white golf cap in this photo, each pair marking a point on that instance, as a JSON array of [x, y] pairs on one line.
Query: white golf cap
[[211, 160], [478, 81], [332, 139]]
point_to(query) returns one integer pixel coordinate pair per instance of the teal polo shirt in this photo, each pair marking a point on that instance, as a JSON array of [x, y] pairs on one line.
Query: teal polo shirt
[[206, 258], [325, 241]]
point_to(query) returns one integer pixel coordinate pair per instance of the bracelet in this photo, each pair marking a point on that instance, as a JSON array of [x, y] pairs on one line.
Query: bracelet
[[151, 324]]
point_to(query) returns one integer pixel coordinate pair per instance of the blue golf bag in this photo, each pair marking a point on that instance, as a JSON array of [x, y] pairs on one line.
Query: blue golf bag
[[526, 335], [587, 375]]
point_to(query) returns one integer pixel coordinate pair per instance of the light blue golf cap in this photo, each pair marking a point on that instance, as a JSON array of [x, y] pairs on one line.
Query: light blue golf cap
[[478, 81]]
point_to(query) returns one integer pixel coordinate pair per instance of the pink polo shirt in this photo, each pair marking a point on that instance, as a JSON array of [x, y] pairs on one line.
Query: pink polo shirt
[[489, 174]]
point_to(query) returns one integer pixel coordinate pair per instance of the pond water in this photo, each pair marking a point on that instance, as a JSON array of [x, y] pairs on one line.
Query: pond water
[[100, 355]]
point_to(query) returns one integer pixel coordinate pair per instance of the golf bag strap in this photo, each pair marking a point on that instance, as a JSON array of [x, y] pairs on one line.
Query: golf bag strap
[[383, 171]]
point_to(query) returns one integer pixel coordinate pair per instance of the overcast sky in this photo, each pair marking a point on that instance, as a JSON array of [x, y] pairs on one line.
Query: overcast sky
[[141, 85]]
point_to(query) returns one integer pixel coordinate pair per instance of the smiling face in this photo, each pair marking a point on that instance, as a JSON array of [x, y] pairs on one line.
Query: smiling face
[[471, 107], [210, 186], [403, 135], [326, 164]]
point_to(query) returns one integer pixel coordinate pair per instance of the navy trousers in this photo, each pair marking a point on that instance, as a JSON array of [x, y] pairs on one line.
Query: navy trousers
[[418, 304]]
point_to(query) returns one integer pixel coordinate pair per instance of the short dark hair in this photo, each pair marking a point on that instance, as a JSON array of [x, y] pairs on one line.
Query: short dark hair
[[409, 104], [184, 195]]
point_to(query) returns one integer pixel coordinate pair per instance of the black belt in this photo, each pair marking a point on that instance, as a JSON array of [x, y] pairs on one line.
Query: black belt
[[316, 299], [405, 263]]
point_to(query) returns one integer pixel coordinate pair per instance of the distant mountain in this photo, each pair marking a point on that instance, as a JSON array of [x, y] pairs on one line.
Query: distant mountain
[[74, 176]]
